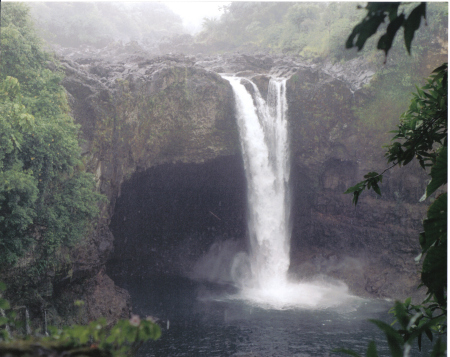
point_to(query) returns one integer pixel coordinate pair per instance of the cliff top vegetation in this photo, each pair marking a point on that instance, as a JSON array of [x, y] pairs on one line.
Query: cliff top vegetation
[[47, 200]]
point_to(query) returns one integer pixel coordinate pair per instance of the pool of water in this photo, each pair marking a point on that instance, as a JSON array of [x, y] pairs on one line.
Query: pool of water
[[203, 320]]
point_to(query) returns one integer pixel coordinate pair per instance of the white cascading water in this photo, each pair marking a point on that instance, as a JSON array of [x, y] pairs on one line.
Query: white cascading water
[[263, 130], [262, 276]]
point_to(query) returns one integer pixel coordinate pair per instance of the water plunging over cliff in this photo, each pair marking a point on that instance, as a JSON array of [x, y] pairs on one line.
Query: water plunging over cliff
[[263, 131], [262, 276]]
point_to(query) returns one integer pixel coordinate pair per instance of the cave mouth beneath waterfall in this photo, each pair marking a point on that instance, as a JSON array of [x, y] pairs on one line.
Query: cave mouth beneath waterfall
[[170, 215], [190, 221]]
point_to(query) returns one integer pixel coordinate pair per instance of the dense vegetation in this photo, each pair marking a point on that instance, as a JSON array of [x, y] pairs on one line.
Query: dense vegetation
[[421, 135], [47, 200], [94, 339], [310, 30]]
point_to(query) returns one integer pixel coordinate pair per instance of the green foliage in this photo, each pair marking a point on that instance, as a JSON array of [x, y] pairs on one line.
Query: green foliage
[[122, 339], [422, 134], [315, 31], [376, 15], [46, 200], [393, 82], [433, 241], [414, 322], [21, 54], [423, 128]]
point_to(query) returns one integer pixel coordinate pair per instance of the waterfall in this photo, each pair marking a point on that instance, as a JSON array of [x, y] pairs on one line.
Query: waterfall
[[262, 275], [27, 322], [264, 140]]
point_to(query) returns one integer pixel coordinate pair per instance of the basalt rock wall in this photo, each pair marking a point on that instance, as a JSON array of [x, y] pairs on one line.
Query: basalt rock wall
[[134, 116], [168, 124], [372, 246]]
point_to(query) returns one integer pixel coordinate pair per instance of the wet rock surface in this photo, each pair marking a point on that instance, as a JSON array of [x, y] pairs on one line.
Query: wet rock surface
[[373, 244], [139, 110], [135, 115]]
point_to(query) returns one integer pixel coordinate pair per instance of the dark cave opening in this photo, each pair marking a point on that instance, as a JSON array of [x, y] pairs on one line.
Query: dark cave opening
[[168, 216]]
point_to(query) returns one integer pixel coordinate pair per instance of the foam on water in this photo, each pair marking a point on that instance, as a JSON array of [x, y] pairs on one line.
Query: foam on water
[[291, 295]]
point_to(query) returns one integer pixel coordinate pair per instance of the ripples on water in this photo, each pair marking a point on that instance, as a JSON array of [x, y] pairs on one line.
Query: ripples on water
[[204, 321]]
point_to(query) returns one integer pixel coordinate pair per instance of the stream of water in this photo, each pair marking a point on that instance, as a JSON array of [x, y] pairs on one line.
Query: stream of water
[[260, 312], [263, 274], [265, 150]]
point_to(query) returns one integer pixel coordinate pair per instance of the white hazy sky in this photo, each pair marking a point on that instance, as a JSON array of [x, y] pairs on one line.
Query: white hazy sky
[[193, 12]]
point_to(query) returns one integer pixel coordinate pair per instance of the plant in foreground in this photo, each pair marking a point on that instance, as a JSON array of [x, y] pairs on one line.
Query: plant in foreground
[[421, 135], [94, 339]]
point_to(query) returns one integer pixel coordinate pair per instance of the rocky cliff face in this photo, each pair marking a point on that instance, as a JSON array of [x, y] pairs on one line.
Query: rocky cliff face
[[372, 246], [134, 116], [160, 136]]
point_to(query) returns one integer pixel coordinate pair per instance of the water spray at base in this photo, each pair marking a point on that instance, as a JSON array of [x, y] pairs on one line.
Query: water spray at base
[[262, 275]]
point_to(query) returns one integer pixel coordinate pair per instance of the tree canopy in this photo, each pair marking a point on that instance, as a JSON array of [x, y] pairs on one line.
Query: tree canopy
[[46, 198]]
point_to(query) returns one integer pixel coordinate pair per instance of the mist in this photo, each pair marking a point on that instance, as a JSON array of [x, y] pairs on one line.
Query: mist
[[101, 24], [210, 147]]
